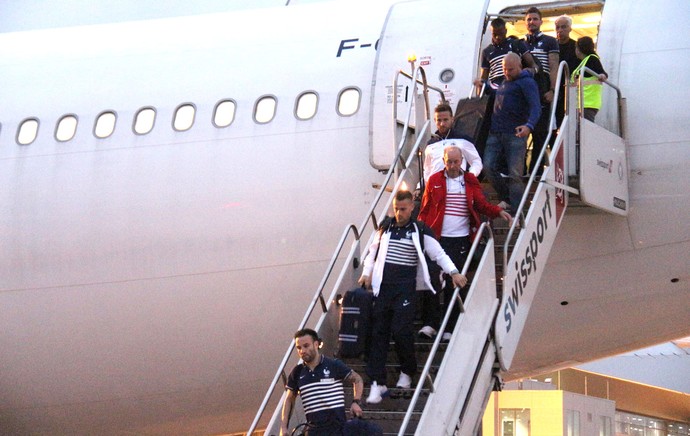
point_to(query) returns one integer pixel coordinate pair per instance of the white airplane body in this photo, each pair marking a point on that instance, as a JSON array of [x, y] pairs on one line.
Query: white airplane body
[[151, 282]]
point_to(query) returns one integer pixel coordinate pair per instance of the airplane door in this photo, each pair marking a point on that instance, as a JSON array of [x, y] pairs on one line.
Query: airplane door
[[445, 38]]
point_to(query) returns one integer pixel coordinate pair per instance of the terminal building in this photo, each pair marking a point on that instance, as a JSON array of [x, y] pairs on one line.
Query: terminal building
[[584, 401]]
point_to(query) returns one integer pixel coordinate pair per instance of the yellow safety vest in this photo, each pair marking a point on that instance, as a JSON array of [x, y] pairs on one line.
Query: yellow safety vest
[[591, 87]]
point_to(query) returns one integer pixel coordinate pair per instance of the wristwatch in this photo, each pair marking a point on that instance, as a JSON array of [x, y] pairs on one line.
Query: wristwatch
[[357, 402]]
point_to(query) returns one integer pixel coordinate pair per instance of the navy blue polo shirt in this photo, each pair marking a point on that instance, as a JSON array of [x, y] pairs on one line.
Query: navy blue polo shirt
[[540, 45], [401, 259], [321, 390], [492, 58]]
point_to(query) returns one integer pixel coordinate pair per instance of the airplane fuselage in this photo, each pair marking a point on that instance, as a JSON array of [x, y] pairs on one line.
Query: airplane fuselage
[[150, 282]]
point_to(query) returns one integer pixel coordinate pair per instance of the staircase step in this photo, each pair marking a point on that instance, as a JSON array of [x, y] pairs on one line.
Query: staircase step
[[397, 400], [390, 422]]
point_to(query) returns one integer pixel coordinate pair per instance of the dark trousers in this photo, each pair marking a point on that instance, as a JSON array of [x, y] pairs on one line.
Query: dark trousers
[[590, 113], [393, 314], [457, 249], [541, 131], [331, 428]]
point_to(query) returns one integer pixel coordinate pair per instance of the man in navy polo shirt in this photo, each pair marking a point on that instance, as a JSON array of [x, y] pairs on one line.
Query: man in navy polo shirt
[[319, 381], [545, 49], [493, 54]]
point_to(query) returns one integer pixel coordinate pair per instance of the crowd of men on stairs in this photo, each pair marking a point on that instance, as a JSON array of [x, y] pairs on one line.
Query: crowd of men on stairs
[[423, 249]]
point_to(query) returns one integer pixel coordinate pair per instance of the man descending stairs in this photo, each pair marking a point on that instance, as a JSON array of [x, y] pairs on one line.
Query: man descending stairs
[[390, 405]]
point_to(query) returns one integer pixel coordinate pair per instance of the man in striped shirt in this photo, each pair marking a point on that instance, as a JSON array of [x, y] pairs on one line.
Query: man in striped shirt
[[394, 268], [545, 49], [451, 206], [493, 54], [319, 381]]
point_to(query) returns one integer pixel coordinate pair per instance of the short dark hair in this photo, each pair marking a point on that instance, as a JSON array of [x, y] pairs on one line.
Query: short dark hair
[[533, 10], [403, 195], [307, 332], [586, 45], [444, 107], [498, 22]]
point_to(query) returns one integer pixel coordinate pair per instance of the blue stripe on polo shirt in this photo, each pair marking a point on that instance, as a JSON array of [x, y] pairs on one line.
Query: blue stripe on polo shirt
[[322, 395], [402, 252], [456, 204]]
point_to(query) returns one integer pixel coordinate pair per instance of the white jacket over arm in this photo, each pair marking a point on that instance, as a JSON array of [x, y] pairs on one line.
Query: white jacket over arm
[[433, 157], [374, 264]]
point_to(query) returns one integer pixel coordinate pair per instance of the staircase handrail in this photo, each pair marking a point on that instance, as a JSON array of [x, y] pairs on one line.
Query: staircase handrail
[[398, 157], [424, 376], [318, 297], [426, 89], [358, 232], [619, 96]]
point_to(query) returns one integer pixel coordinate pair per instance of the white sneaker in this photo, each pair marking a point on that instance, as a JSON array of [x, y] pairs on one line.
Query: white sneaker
[[404, 381], [427, 331], [446, 337], [376, 393]]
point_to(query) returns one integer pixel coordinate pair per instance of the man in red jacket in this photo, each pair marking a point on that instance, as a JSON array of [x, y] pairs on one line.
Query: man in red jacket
[[451, 206]]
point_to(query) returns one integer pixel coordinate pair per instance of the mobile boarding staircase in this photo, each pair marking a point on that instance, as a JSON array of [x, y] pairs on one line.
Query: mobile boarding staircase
[[457, 378]]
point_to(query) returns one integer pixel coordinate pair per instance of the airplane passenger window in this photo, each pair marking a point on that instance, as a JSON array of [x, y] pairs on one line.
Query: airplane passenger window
[[265, 109], [224, 114], [348, 101], [184, 117], [144, 120], [66, 128], [28, 130], [105, 125], [306, 105]]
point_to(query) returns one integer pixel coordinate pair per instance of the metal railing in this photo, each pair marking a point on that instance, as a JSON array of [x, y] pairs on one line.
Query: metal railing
[[426, 88], [518, 220], [563, 67], [619, 97], [357, 231], [425, 377]]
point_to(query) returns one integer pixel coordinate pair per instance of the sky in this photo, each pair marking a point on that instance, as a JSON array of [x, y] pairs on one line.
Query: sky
[[21, 15]]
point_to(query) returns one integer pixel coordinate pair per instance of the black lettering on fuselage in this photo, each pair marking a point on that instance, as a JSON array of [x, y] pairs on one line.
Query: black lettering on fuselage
[[349, 44], [528, 264], [344, 46]]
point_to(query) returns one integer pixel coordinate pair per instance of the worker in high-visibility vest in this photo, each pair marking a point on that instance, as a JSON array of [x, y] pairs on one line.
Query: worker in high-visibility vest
[[591, 93]]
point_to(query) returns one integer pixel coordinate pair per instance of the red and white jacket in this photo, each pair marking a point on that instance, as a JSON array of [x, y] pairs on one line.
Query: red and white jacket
[[434, 203]]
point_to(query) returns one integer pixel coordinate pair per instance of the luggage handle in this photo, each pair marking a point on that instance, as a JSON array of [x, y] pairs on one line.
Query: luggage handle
[[481, 91]]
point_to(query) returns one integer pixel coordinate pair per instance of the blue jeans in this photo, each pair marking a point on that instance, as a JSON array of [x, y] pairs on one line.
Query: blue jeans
[[513, 149]]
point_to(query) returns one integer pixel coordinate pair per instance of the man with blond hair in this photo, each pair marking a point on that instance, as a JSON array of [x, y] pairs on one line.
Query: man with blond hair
[[394, 268]]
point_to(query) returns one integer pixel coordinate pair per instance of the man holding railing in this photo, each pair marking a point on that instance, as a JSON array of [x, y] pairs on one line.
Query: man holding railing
[[451, 206], [516, 112], [394, 268]]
